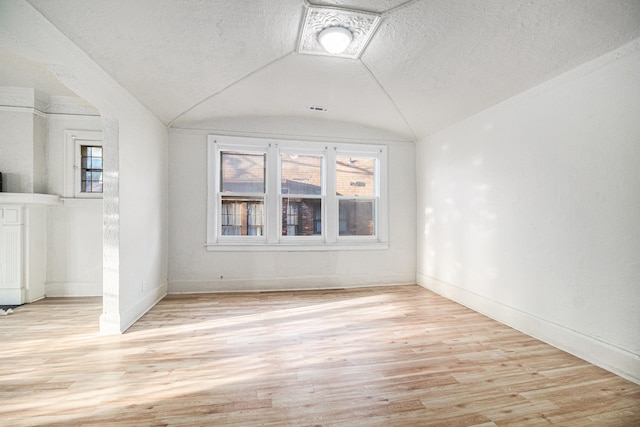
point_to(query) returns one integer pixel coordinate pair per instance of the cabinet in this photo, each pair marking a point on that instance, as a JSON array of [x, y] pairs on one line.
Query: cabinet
[[23, 222]]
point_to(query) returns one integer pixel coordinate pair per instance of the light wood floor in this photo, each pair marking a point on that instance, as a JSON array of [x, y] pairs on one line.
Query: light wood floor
[[393, 356]]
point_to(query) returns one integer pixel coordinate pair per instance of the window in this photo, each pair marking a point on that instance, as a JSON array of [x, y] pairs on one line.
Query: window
[[267, 194], [242, 193], [357, 195], [83, 164], [90, 169], [242, 217], [301, 191]]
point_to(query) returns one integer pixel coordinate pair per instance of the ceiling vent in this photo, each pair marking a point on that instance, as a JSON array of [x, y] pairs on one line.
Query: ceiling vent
[[362, 25], [317, 108]]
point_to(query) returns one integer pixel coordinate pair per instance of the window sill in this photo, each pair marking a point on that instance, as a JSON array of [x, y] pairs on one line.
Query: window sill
[[295, 247]]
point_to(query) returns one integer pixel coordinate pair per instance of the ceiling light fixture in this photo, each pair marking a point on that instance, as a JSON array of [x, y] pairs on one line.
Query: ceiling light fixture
[[335, 40], [354, 27]]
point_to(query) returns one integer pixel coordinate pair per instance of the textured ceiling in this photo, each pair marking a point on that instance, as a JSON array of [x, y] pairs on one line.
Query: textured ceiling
[[17, 71], [430, 63]]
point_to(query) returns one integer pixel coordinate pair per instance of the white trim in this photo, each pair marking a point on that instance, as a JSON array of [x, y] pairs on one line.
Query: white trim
[[321, 153], [19, 99], [77, 167], [28, 110], [71, 165], [296, 246], [379, 197], [263, 284], [28, 199], [614, 359], [214, 153], [331, 222], [114, 323]]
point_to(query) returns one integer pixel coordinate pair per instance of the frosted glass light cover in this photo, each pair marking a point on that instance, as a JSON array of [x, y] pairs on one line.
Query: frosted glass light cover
[[335, 40], [360, 24]]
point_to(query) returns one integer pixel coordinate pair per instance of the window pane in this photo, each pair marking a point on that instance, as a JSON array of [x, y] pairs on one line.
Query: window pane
[[355, 176], [242, 216], [301, 217], [301, 174], [356, 217], [91, 169], [242, 173]]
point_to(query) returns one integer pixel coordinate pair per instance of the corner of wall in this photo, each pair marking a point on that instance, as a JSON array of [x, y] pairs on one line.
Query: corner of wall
[[599, 353], [132, 314]]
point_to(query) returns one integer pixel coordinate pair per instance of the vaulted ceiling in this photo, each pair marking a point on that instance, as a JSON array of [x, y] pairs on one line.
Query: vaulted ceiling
[[429, 64]]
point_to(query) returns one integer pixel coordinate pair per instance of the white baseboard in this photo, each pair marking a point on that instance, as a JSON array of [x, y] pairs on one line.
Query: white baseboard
[[619, 361], [287, 283], [140, 308], [73, 289], [118, 323]]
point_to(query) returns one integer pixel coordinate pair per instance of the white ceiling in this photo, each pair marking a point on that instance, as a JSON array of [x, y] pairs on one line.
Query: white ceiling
[[17, 71], [430, 63]]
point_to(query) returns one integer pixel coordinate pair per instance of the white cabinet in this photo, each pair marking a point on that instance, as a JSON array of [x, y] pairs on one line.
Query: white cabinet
[[11, 258], [23, 221]]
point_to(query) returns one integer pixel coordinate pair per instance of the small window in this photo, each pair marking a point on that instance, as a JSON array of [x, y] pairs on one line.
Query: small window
[[90, 169], [83, 165]]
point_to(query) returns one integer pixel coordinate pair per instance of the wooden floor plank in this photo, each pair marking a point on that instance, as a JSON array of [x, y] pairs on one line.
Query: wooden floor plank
[[386, 356]]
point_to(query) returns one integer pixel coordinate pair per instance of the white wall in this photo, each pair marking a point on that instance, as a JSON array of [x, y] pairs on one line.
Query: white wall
[[39, 147], [22, 140], [143, 201], [32, 159], [193, 269], [135, 148], [74, 249], [528, 211], [17, 151], [74, 227]]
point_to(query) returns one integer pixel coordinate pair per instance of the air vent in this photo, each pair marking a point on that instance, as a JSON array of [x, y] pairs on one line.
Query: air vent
[[317, 108]]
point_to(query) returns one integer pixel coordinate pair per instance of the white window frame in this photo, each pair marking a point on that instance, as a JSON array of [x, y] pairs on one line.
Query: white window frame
[[74, 140], [320, 151], [370, 154], [215, 223], [273, 240]]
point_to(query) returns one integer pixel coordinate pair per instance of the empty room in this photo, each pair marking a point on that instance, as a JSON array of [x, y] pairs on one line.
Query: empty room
[[320, 213]]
